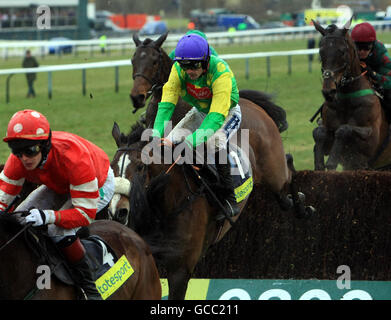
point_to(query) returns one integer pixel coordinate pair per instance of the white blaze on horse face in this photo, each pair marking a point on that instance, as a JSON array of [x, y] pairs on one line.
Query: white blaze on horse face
[[122, 184], [123, 164], [114, 202]]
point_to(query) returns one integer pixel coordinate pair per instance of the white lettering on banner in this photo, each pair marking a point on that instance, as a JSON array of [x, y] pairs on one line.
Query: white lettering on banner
[[357, 295], [275, 293], [315, 294], [235, 293], [281, 294]]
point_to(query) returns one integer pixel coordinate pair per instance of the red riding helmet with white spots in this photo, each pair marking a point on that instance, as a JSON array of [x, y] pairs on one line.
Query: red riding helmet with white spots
[[28, 124], [364, 32]]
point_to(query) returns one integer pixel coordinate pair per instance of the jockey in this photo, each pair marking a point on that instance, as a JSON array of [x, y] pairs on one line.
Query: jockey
[[375, 55], [207, 83], [76, 183]]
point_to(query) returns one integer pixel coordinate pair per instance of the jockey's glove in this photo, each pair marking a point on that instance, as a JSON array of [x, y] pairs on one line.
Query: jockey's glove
[[370, 72], [40, 217]]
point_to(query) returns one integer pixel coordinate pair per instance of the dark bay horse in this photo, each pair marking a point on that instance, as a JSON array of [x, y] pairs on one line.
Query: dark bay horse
[[353, 130], [168, 203], [19, 269], [151, 69]]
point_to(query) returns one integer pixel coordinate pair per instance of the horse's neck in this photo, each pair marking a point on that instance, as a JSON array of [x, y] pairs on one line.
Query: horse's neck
[[18, 271]]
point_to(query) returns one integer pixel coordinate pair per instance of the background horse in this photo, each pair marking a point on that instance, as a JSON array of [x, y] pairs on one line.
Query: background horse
[[19, 267], [168, 205], [151, 69], [353, 130]]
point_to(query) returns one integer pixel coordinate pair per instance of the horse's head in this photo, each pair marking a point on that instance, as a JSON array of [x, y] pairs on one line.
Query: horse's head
[[338, 57], [126, 162], [151, 67]]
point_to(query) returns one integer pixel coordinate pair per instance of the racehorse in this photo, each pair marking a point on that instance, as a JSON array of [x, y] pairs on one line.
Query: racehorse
[[353, 130], [171, 203], [151, 69], [20, 267]]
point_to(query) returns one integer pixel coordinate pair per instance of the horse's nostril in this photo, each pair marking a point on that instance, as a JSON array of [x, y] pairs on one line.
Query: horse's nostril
[[121, 216], [122, 212], [138, 100]]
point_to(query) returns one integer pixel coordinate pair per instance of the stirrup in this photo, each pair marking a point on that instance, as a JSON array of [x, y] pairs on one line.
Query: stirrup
[[231, 212]]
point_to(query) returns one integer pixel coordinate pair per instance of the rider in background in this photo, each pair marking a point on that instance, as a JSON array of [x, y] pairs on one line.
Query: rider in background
[[376, 58], [76, 183], [200, 33], [207, 83]]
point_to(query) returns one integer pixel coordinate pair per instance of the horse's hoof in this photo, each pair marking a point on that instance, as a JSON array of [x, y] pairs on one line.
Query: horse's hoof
[[309, 211], [301, 196]]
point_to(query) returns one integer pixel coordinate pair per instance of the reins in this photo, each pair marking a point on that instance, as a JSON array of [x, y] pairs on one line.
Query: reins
[[16, 235], [194, 195]]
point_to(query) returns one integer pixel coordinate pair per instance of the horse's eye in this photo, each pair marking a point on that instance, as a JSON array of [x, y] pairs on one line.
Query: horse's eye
[[140, 167]]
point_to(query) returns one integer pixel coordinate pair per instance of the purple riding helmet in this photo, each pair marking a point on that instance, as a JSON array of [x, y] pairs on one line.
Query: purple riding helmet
[[192, 47]]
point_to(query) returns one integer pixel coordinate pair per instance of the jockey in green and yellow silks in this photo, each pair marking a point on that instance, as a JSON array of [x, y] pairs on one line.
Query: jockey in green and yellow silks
[[207, 83]]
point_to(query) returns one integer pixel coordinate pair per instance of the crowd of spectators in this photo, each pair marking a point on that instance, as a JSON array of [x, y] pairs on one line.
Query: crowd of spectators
[[27, 17]]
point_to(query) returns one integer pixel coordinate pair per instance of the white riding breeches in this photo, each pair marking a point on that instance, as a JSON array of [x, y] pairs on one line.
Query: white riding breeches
[[192, 121], [45, 198]]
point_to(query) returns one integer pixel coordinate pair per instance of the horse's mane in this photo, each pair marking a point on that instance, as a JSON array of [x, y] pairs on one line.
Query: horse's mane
[[264, 100], [148, 217], [135, 133], [147, 41]]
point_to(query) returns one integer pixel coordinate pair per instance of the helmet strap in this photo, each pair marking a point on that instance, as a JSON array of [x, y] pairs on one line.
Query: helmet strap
[[46, 146]]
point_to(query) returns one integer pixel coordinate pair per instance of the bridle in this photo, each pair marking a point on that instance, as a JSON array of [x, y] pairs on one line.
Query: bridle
[[155, 82], [346, 79]]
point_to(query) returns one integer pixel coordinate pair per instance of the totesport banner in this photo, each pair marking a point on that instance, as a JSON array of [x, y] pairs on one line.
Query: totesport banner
[[254, 289]]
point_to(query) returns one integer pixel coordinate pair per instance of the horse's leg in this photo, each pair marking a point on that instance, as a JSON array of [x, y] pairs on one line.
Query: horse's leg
[[178, 280], [345, 137], [298, 198], [322, 137]]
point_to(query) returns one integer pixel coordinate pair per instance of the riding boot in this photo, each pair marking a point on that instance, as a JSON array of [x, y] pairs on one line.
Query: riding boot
[[82, 272], [230, 205]]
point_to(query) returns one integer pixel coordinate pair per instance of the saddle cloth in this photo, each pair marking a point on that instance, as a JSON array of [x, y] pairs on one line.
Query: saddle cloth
[[101, 256], [241, 171]]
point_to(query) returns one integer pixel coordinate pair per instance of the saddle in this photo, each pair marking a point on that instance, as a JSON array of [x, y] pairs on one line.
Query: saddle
[[241, 173], [102, 257]]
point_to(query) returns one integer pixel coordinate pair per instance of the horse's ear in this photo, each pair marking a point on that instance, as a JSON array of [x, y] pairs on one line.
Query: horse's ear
[[116, 133], [136, 39], [347, 25], [319, 27], [158, 42]]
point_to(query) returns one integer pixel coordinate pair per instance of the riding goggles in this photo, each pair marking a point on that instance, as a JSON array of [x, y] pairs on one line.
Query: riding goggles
[[190, 65], [367, 46], [29, 152]]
